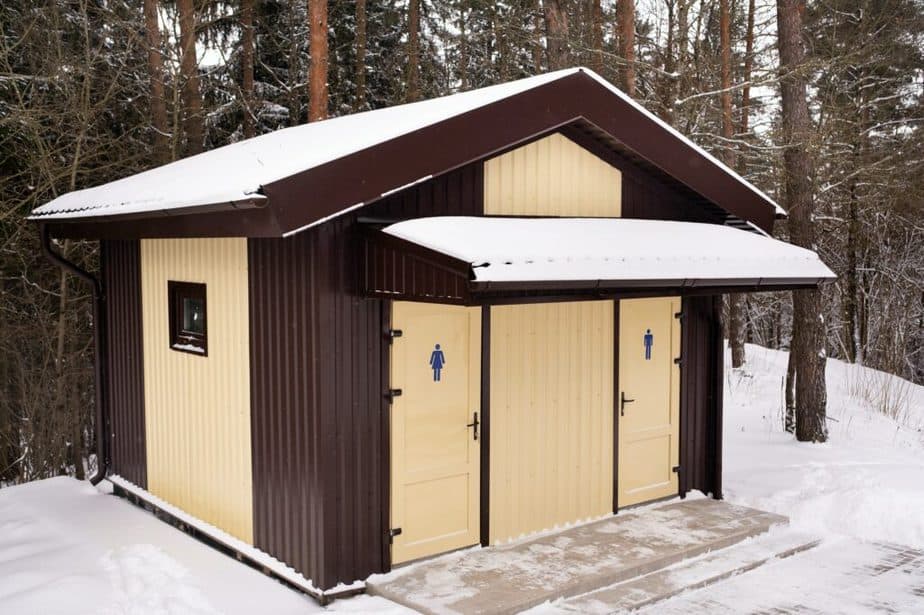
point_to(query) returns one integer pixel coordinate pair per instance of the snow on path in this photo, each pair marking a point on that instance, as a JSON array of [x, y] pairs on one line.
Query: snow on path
[[862, 492], [841, 576], [66, 547]]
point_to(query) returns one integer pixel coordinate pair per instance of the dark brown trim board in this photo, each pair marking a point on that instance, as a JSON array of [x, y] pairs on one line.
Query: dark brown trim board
[[385, 429], [485, 462], [120, 272], [700, 402], [616, 407], [718, 394]]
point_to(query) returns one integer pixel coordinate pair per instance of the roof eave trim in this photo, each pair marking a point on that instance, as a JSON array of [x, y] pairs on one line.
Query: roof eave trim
[[253, 201], [604, 286]]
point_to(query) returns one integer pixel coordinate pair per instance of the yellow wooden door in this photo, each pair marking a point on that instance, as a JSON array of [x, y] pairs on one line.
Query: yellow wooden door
[[649, 403], [434, 452]]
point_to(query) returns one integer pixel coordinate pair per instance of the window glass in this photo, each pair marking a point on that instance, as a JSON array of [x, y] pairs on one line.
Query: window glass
[[193, 315], [188, 317]]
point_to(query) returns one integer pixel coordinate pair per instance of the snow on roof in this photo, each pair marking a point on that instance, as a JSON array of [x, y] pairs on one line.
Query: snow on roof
[[559, 249], [235, 173]]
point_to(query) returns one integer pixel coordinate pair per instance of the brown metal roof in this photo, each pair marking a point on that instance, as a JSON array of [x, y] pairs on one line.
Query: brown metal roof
[[577, 102]]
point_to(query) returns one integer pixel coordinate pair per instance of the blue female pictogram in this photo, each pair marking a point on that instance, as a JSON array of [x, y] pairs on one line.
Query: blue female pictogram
[[649, 342], [437, 361]]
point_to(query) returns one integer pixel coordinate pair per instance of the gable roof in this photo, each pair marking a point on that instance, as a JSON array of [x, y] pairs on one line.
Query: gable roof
[[297, 177]]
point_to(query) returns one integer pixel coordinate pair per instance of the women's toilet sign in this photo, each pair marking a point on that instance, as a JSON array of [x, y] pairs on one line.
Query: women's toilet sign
[[648, 341], [437, 361]]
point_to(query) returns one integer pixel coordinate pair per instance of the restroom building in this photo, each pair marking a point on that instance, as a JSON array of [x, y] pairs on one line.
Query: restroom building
[[381, 337]]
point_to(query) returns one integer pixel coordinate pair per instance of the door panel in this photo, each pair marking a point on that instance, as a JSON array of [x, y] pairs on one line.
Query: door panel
[[435, 457], [649, 341], [551, 416]]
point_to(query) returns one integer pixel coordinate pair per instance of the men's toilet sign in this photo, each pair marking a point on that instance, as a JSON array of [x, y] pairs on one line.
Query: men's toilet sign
[[437, 361], [649, 342]]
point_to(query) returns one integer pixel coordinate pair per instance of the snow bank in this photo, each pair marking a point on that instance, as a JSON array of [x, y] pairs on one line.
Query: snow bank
[[866, 482]]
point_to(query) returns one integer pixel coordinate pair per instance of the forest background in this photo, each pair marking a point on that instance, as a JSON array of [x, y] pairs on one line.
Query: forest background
[[94, 90]]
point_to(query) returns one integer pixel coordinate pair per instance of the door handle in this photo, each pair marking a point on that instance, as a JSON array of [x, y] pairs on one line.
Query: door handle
[[623, 400], [474, 424]]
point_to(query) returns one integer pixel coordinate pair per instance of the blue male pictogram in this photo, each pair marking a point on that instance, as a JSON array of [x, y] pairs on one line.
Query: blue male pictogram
[[437, 361], [649, 342]]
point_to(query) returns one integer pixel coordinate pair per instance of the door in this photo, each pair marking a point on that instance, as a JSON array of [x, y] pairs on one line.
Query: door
[[436, 363], [649, 402], [552, 389]]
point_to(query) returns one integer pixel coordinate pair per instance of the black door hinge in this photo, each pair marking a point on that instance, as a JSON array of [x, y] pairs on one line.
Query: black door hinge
[[676, 469], [391, 334], [678, 361], [396, 531], [391, 394], [678, 315]]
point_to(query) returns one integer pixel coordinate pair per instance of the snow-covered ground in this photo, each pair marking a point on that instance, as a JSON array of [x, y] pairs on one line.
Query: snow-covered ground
[[866, 482], [862, 493], [66, 547]]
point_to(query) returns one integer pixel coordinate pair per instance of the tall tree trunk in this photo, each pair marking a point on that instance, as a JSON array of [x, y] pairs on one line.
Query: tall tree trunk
[[537, 36], [596, 37], [359, 102], [798, 174], [463, 50], [625, 25], [413, 50], [556, 32], [789, 420], [247, 53], [668, 82], [748, 68], [189, 68], [683, 47], [156, 79], [317, 65], [851, 291], [735, 302], [294, 29], [852, 245]]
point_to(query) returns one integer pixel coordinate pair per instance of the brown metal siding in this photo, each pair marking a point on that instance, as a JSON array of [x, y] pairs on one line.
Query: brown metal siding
[[319, 371], [398, 269], [317, 407], [121, 273], [457, 193], [701, 396]]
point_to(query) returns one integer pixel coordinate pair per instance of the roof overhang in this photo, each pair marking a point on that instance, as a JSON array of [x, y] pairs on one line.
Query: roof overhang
[[470, 260], [305, 176]]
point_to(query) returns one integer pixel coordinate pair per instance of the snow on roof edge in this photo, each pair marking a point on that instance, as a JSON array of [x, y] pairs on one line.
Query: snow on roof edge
[[613, 249], [479, 98]]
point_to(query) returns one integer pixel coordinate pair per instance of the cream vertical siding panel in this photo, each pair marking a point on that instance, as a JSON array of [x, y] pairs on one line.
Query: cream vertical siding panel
[[551, 416], [553, 176], [197, 409]]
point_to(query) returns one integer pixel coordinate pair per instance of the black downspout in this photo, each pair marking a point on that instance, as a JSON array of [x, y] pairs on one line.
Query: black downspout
[[99, 357]]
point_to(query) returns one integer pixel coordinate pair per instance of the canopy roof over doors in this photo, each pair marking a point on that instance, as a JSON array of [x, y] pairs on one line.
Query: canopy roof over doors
[[471, 260]]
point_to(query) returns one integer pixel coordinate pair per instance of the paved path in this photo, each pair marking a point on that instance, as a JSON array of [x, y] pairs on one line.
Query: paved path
[[842, 576], [574, 561]]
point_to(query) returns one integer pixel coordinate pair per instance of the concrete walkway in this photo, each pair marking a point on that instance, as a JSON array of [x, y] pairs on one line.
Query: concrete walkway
[[515, 577]]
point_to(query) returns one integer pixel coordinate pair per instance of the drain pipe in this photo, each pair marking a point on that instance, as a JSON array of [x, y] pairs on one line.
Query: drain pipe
[[99, 347]]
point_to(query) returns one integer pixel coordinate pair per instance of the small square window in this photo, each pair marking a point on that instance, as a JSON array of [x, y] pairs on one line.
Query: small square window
[[188, 317]]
